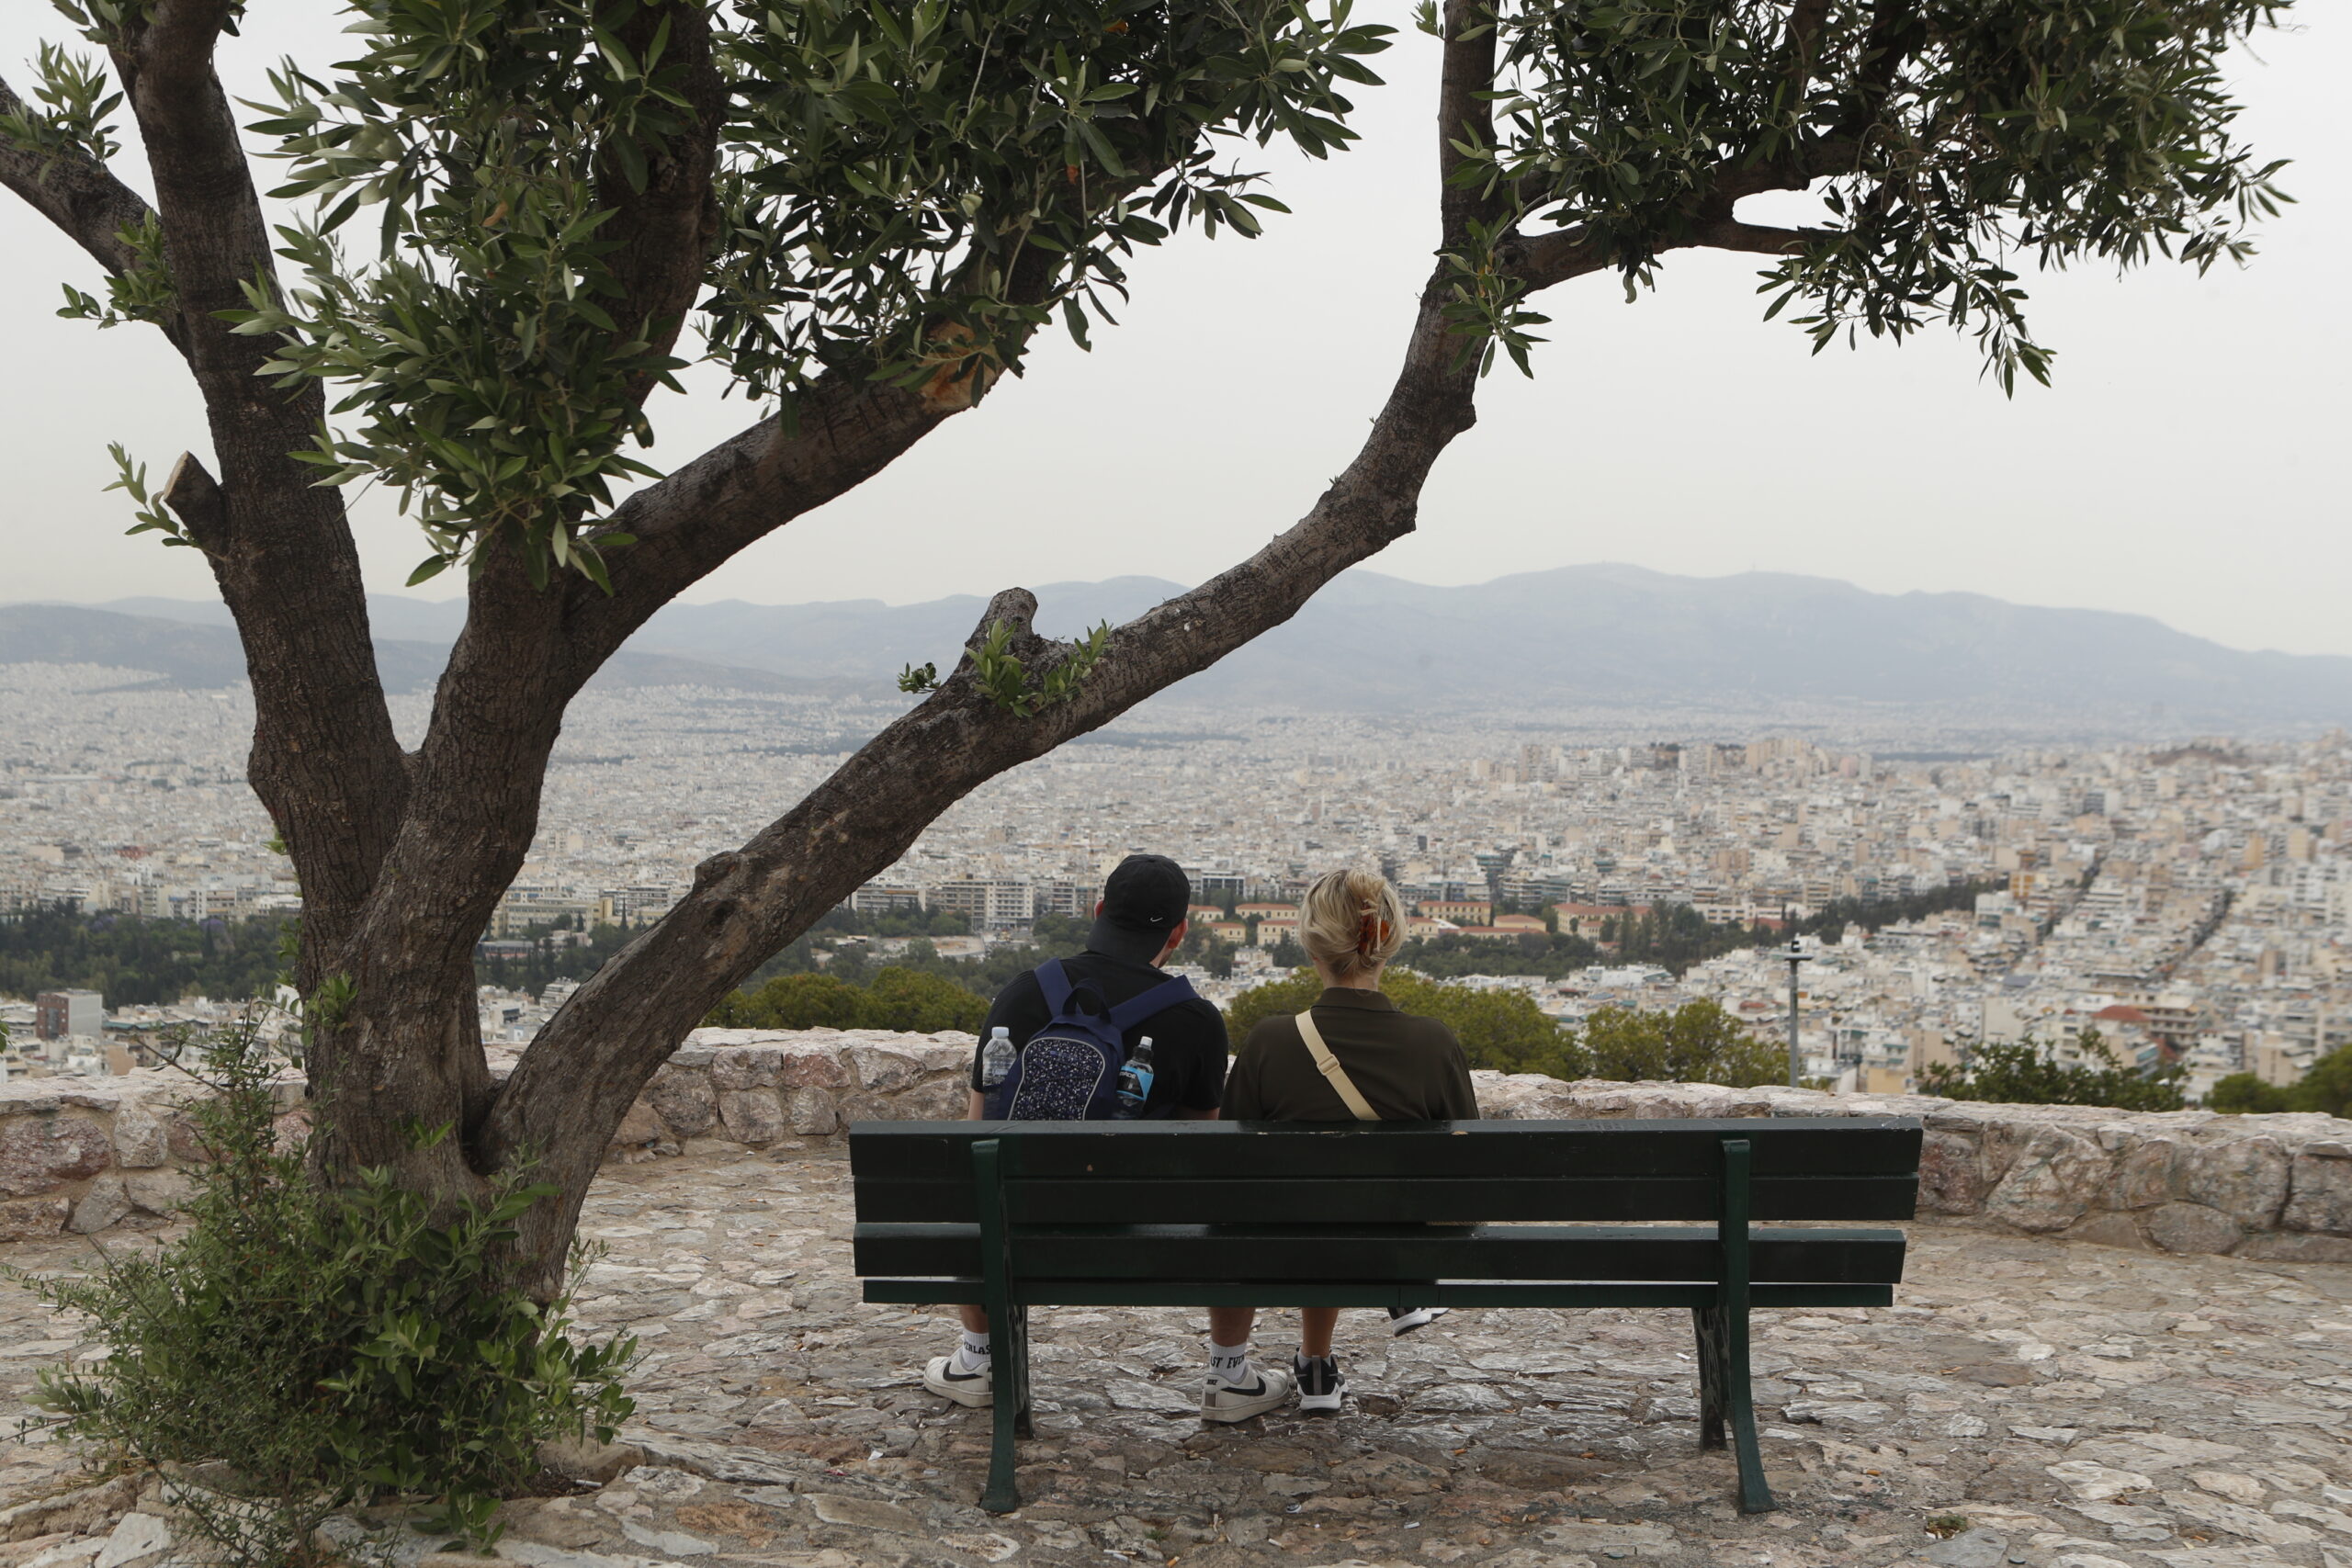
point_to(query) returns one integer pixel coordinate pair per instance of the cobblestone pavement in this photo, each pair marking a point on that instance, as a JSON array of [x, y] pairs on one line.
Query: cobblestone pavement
[[2029, 1402]]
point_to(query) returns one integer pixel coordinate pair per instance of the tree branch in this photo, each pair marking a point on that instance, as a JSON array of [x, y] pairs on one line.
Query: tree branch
[[747, 903], [662, 232], [325, 762], [82, 198]]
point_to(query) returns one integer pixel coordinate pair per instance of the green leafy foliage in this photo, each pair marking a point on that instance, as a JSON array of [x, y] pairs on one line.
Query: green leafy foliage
[[1696, 1043], [74, 105], [137, 962], [1008, 683], [297, 1349], [2326, 1089], [903, 192], [1953, 142], [1504, 1031], [153, 516], [898, 998], [2027, 1074]]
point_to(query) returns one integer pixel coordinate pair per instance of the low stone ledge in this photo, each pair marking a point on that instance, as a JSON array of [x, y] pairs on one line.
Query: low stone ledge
[[2272, 1187], [84, 1155]]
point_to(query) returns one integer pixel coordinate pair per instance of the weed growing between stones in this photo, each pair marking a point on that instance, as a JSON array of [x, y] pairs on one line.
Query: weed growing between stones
[[303, 1348]]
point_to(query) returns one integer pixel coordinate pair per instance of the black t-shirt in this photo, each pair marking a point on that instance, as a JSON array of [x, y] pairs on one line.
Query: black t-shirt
[[1188, 1047]]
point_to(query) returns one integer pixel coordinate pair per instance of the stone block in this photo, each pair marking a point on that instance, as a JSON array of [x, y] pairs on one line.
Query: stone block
[[2319, 1192], [186, 1142], [2296, 1246], [2193, 1227], [2245, 1177], [941, 1100], [684, 1100], [864, 1105], [1951, 1180], [809, 1065], [744, 1067], [2109, 1229], [885, 1069], [160, 1192], [141, 1142], [812, 1113], [639, 1127], [31, 1218], [752, 1115], [2146, 1174], [40, 1153], [105, 1203], [2052, 1183]]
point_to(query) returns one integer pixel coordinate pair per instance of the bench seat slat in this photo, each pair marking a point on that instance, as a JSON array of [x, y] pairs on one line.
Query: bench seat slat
[[1833, 1146], [1213, 1198], [1439, 1293], [1268, 1252]]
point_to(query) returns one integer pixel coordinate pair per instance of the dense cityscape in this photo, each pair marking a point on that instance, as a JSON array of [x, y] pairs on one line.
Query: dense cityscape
[[2190, 901]]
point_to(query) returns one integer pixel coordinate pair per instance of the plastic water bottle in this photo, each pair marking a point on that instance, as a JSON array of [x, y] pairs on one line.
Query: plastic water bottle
[[1135, 1080], [996, 1062]]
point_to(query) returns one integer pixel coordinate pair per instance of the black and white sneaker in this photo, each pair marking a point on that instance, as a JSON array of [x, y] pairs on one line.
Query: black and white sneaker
[[1321, 1384], [1404, 1320], [1225, 1400], [974, 1390]]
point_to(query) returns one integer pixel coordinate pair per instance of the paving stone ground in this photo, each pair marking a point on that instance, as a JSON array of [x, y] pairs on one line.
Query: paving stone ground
[[2028, 1402]]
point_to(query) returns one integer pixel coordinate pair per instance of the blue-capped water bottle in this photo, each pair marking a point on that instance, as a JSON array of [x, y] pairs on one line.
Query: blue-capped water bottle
[[996, 1062], [1135, 1080]]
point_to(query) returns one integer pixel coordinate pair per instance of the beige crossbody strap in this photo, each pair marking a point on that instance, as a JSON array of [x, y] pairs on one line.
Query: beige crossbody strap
[[1328, 1065]]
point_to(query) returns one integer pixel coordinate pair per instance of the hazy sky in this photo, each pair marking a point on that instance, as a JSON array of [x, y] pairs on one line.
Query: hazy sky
[[2178, 469]]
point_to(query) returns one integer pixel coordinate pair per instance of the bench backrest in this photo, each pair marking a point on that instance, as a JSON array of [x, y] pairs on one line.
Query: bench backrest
[[1816, 1168]]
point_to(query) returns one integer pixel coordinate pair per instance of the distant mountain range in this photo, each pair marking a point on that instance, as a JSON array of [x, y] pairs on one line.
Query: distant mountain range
[[1605, 635]]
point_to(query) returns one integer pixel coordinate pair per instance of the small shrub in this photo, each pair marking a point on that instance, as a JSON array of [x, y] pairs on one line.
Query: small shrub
[[2326, 1089], [897, 998], [2023, 1074], [1697, 1042], [302, 1347]]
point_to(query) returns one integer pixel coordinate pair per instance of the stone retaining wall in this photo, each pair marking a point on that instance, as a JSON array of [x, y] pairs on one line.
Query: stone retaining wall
[[83, 1154]]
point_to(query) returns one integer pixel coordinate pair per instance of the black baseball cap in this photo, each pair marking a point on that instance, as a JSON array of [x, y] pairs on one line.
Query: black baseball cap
[[1144, 898]]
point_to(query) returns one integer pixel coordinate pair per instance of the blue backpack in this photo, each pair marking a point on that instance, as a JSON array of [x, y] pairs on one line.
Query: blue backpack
[[1069, 1069]]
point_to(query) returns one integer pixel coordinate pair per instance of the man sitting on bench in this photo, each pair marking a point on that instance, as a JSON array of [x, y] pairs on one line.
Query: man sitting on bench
[[1137, 926]]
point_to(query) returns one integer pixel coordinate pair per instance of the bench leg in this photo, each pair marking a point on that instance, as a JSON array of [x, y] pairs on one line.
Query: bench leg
[[1755, 1496], [1011, 1381], [1022, 1425], [1707, 1323]]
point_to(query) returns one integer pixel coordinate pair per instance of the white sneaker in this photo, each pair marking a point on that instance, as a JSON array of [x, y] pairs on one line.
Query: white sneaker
[[1223, 1400], [974, 1389], [1404, 1320]]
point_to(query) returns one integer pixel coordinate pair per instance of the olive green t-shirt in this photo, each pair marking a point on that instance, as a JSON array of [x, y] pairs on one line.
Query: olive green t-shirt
[[1408, 1069]]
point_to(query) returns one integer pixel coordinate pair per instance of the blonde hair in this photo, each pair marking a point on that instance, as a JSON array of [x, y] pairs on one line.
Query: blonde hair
[[1350, 922]]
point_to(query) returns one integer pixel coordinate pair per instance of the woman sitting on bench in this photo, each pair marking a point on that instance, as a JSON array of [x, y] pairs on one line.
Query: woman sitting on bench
[[1352, 1056]]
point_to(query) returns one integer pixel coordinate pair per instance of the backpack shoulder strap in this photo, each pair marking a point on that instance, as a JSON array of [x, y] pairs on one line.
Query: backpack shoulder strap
[[1161, 997], [1054, 981], [1328, 1065]]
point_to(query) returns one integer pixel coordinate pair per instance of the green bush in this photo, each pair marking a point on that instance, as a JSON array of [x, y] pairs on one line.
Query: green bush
[[2024, 1074], [896, 999], [1504, 1031], [1697, 1042], [301, 1348], [2326, 1089]]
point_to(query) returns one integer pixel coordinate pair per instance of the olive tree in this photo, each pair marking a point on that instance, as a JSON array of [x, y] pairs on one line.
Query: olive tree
[[518, 219]]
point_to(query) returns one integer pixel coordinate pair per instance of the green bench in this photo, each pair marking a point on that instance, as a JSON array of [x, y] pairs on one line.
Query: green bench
[[1016, 1216]]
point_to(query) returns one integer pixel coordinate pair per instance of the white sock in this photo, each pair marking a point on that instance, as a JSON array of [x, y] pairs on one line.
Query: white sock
[[972, 1354], [1231, 1362]]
